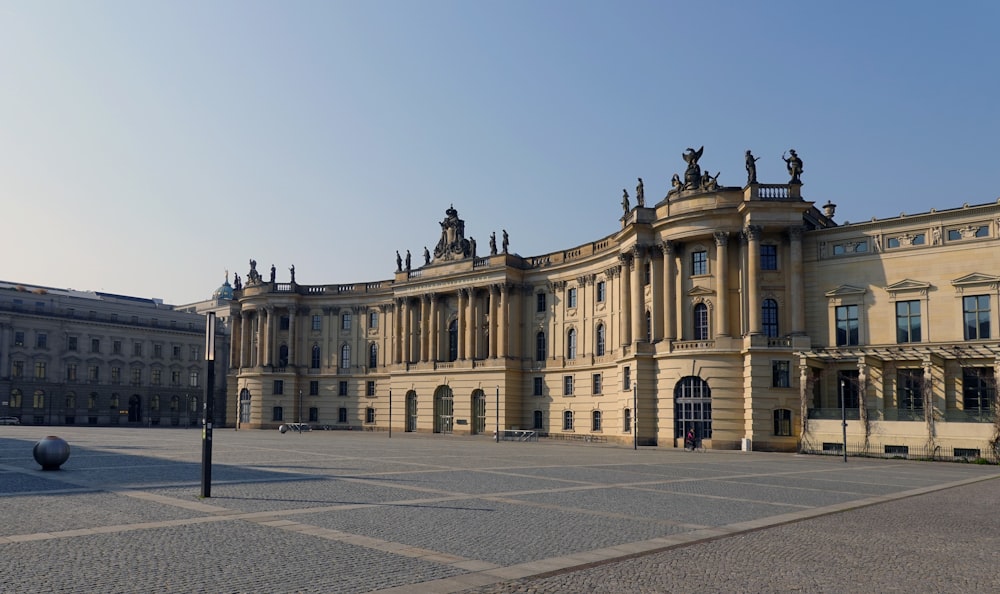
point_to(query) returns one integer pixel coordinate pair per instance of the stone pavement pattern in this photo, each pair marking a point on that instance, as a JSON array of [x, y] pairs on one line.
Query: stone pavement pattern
[[360, 512]]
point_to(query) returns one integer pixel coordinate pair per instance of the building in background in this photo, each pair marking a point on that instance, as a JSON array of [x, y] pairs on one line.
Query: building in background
[[744, 314], [90, 358]]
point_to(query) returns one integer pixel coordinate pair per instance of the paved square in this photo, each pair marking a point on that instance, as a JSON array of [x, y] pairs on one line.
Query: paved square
[[361, 512]]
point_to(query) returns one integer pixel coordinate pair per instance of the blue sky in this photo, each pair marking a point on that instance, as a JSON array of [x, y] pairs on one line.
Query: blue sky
[[147, 147]]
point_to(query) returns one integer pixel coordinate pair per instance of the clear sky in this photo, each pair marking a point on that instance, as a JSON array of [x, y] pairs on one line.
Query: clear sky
[[147, 147]]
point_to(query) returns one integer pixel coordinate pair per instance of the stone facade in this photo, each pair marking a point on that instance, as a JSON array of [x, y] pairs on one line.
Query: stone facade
[[87, 358], [714, 310]]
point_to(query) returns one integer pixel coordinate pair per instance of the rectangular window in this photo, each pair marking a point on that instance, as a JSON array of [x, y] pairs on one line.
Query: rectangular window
[[540, 303], [313, 414], [40, 370], [979, 391], [317, 323], [626, 379], [193, 379], [345, 321], [277, 414], [369, 415], [537, 381], [571, 297], [314, 388], [768, 257], [93, 374], [370, 388], [848, 386], [601, 291], [847, 325], [907, 321], [158, 351], [116, 375], [976, 317], [95, 345], [71, 343], [783, 422], [19, 339], [155, 377], [597, 383], [71, 372], [372, 320], [17, 369], [341, 415], [567, 385], [283, 323], [195, 352], [176, 352], [699, 263], [279, 387], [781, 374], [41, 340], [116, 347], [175, 378], [136, 349], [136, 378], [910, 392], [342, 389]]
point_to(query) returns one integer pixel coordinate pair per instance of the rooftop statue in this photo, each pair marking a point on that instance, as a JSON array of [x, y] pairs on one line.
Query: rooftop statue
[[453, 245], [692, 176], [794, 165], [751, 168]]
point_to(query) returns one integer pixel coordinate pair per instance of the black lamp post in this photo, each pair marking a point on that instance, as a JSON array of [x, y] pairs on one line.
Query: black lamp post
[[206, 434], [635, 415], [497, 436], [843, 416]]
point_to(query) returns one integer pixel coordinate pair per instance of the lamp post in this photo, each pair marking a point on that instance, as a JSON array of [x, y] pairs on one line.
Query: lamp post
[[390, 413], [635, 415], [206, 432], [843, 416], [497, 436], [298, 412]]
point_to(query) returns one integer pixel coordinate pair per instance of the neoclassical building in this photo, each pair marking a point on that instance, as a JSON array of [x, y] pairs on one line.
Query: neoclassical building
[[744, 313]]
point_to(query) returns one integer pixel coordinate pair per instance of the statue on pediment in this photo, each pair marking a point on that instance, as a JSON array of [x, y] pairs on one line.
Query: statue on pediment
[[453, 245]]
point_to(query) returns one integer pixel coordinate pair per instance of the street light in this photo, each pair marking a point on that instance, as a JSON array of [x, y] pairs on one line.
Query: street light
[[635, 415], [390, 413], [206, 434], [843, 416], [497, 436]]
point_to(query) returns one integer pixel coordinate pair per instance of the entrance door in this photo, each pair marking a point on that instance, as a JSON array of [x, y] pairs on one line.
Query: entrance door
[[411, 411], [444, 410], [478, 412], [244, 406], [134, 409]]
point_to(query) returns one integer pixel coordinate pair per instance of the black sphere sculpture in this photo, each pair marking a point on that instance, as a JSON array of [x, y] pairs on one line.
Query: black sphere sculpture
[[51, 452]]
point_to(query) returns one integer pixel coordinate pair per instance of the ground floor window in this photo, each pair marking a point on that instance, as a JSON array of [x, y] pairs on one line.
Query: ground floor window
[[693, 407], [278, 414], [783, 422]]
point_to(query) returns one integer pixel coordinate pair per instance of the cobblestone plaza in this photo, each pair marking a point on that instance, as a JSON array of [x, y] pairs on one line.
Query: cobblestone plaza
[[339, 511]]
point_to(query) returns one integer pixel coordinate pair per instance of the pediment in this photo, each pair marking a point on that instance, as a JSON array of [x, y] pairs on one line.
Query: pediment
[[699, 291], [976, 278], [843, 290], [907, 284]]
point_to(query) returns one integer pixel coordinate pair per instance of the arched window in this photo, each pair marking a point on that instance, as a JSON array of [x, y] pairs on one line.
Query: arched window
[[39, 399], [15, 398], [92, 401], [453, 340], [71, 400], [154, 403], [345, 356], [600, 340], [113, 403], [314, 363], [568, 420], [693, 407], [540, 350], [175, 404], [571, 344], [701, 322], [372, 356], [595, 424], [769, 318]]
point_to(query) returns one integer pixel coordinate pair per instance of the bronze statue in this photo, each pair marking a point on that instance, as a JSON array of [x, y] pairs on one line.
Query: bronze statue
[[794, 165], [407, 260], [292, 270], [272, 273], [427, 256], [692, 176], [676, 183], [506, 243], [751, 168], [493, 243], [399, 262], [640, 195], [625, 204]]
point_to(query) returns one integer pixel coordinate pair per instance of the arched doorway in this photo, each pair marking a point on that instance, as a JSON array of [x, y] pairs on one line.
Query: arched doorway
[[134, 409], [411, 411], [444, 409], [478, 412], [244, 406], [692, 407]]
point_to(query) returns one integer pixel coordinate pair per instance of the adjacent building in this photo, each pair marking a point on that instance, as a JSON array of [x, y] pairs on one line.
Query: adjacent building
[[90, 358]]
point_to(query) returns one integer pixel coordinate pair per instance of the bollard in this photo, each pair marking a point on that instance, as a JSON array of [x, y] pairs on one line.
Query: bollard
[[51, 452]]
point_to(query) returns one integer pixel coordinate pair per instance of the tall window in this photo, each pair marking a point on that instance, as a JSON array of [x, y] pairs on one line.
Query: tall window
[[277, 413], [768, 257], [568, 420], [40, 370], [847, 325], [453, 340], [313, 414], [345, 321], [71, 372], [599, 339], [597, 384], [345, 356], [540, 346], [910, 390], [341, 415], [780, 374], [537, 418], [372, 356], [156, 376], [17, 369], [701, 322], [317, 322], [314, 362], [693, 407], [372, 320], [907, 321], [699, 263], [571, 344], [537, 384], [769, 318], [42, 340], [540, 302], [649, 327], [976, 317], [71, 343], [848, 384], [567, 385], [601, 291], [279, 387], [571, 297], [95, 345], [627, 420], [313, 387], [369, 415], [595, 422], [783, 422], [370, 388], [979, 390], [193, 378], [626, 378]]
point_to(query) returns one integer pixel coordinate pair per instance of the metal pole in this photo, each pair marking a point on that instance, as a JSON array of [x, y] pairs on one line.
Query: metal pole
[[497, 436], [298, 413], [206, 433], [843, 416], [390, 413], [635, 415]]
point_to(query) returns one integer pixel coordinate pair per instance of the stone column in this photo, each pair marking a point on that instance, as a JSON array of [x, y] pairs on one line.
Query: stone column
[[268, 315], [292, 322], [503, 321], [462, 303], [235, 341], [638, 312], [245, 334], [625, 299], [669, 298], [425, 327], [656, 294], [796, 283], [258, 354], [397, 332], [722, 283], [752, 233], [470, 326], [407, 329], [493, 327], [434, 328]]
